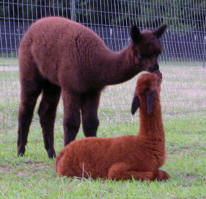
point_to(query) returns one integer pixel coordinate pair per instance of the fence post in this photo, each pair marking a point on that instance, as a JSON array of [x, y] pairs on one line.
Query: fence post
[[73, 10], [204, 51]]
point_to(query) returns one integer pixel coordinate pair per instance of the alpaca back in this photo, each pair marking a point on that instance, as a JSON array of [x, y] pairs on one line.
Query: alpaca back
[[57, 44]]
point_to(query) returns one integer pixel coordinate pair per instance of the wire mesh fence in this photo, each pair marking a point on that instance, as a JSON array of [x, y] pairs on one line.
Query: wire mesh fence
[[184, 40]]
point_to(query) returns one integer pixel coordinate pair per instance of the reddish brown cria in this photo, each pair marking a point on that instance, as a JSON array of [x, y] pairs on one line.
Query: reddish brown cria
[[57, 55], [135, 156]]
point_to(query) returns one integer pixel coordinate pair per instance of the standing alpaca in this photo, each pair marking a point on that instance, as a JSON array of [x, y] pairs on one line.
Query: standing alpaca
[[59, 55], [138, 156]]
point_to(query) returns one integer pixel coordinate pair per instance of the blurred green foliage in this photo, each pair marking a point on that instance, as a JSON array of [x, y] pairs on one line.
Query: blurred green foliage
[[184, 14]]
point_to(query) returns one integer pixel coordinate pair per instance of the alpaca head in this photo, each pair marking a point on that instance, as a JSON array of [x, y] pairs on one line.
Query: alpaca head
[[147, 88], [146, 47]]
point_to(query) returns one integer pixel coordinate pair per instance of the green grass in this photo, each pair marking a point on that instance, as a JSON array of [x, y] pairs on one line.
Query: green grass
[[184, 114], [34, 175], [10, 60]]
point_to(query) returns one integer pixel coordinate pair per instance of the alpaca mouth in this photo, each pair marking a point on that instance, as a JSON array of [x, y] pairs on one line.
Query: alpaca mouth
[[154, 68]]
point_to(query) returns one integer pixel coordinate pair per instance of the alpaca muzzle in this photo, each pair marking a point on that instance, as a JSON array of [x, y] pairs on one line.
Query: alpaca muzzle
[[154, 68]]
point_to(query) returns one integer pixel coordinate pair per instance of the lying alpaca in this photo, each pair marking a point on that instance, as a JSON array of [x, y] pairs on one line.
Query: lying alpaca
[[123, 157], [57, 54]]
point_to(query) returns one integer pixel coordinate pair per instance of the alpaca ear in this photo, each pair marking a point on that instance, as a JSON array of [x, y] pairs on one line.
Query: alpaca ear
[[150, 98], [160, 30], [135, 34], [135, 104]]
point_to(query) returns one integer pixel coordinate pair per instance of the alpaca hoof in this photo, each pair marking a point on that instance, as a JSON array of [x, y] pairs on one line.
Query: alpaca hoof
[[162, 175], [51, 153], [21, 151], [19, 154]]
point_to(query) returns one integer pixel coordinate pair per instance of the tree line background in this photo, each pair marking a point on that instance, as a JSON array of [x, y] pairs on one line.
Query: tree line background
[[111, 19], [187, 14]]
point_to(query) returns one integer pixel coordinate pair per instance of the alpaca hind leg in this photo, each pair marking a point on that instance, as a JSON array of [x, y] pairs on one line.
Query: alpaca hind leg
[[30, 91], [47, 114], [121, 171], [71, 115], [89, 106]]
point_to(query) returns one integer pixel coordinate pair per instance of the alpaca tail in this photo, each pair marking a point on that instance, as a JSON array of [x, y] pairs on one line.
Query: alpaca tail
[[59, 157]]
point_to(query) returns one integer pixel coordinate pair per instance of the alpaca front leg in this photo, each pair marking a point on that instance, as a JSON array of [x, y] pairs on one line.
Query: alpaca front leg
[[162, 175], [122, 171], [71, 116]]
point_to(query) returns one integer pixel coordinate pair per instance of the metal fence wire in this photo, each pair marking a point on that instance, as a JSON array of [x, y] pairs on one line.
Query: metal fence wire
[[185, 38], [184, 42]]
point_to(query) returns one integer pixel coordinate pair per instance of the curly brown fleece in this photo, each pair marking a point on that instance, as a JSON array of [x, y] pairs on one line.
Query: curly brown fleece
[[57, 55]]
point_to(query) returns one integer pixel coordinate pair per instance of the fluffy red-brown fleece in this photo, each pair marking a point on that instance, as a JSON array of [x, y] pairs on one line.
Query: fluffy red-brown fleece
[[134, 156]]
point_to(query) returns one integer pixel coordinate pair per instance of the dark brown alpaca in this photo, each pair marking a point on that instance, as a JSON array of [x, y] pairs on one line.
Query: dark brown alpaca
[[59, 55], [139, 156]]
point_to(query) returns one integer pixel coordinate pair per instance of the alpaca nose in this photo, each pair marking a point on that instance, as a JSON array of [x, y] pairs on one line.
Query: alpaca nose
[[154, 67]]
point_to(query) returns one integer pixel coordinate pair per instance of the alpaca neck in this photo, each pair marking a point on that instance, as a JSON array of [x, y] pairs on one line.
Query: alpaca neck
[[151, 126], [119, 66]]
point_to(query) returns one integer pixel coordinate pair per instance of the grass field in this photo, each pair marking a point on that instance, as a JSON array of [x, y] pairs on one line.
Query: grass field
[[184, 113]]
